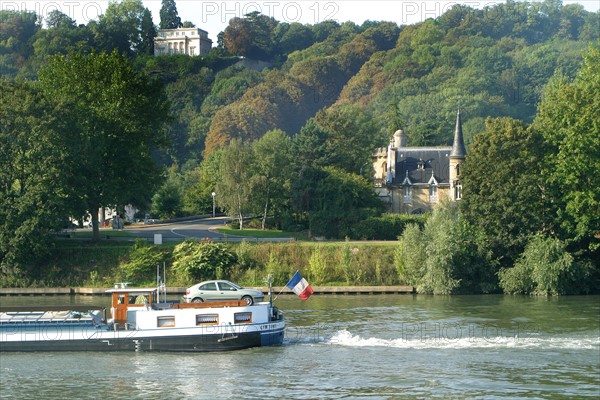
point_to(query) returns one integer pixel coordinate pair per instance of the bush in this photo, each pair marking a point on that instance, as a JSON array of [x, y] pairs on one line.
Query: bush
[[202, 260], [386, 227], [545, 268], [143, 260]]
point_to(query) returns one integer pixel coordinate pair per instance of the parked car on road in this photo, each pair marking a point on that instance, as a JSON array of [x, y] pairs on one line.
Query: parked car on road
[[221, 290]]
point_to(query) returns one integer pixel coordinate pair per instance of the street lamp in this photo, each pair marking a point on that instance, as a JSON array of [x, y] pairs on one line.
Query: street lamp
[[213, 196]]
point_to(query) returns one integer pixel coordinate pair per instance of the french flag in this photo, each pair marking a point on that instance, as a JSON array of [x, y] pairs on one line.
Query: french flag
[[299, 286]]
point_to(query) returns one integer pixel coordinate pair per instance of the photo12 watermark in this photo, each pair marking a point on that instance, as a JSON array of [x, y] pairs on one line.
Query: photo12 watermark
[[80, 11]]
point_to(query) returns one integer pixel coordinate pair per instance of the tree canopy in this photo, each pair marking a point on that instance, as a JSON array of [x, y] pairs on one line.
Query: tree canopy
[[109, 150]]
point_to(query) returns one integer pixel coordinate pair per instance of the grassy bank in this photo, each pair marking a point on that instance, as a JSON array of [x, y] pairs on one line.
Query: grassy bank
[[83, 263]]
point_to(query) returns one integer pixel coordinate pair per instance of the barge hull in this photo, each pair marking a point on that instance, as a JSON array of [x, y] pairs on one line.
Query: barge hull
[[189, 343]]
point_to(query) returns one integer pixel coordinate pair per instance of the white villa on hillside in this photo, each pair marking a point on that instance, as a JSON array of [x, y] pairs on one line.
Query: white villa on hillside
[[188, 41]]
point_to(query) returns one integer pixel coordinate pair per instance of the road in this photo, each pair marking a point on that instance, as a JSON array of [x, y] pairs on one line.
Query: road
[[196, 229]]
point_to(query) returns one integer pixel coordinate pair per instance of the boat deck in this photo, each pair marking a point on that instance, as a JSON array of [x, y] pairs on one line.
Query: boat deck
[[50, 315]]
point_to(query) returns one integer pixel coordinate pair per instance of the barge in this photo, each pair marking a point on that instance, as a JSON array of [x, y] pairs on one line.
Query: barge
[[139, 321]]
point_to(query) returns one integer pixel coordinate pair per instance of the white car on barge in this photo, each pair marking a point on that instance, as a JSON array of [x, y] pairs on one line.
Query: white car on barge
[[141, 322]]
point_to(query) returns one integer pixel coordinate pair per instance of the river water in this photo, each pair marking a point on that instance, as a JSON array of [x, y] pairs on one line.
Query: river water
[[350, 347]]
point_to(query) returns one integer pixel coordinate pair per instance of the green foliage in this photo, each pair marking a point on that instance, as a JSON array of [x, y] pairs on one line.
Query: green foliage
[[202, 260], [143, 262], [33, 191], [385, 227], [438, 258], [108, 158], [545, 268], [234, 188], [334, 200], [167, 201], [317, 266], [169, 18], [568, 121], [503, 190]]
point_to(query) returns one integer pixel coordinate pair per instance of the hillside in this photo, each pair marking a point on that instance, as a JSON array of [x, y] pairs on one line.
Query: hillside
[[491, 62]]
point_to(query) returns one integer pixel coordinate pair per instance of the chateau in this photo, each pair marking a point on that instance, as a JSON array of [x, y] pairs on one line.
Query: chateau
[[188, 41], [413, 180]]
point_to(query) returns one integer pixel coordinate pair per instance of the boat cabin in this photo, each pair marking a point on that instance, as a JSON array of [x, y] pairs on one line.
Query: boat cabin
[[124, 298]]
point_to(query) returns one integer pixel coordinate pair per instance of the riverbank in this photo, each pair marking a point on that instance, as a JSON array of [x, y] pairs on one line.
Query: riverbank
[[346, 290]]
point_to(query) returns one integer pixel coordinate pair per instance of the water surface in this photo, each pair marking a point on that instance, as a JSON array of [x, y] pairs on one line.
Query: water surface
[[350, 347]]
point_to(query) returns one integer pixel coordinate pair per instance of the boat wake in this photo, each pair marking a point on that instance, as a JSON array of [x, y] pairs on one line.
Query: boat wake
[[345, 338]]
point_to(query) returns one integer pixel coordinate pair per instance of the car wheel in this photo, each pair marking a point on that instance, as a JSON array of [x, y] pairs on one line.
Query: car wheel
[[248, 299], [197, 300]]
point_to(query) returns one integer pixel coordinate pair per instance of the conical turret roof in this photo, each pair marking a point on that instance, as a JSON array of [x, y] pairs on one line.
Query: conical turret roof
[[458, 147]]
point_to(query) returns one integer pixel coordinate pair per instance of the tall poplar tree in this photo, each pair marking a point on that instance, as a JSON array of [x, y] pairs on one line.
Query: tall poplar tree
[[233, 190], [169, 18]]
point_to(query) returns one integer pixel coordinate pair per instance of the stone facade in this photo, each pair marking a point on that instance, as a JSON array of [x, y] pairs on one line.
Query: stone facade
[[188, 41], [413, 180]]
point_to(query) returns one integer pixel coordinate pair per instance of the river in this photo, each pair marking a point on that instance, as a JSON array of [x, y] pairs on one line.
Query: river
[[350, 347]]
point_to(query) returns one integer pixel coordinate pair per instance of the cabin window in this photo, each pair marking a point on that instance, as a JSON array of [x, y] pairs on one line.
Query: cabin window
[[242, 317], [207, 319], [165, 322]]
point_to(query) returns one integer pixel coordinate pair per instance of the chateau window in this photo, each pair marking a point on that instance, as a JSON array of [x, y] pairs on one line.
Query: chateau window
[[421, 165], [407, 198], [457, 169], [458, 191], [433, 193]]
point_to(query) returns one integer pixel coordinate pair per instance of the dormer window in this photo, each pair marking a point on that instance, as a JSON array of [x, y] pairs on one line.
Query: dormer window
[[421, 165]]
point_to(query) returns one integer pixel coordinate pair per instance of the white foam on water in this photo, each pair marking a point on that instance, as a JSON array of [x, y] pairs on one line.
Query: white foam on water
[[345, 338]]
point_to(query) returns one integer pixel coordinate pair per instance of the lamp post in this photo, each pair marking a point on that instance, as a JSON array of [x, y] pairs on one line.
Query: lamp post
[[213, 196]]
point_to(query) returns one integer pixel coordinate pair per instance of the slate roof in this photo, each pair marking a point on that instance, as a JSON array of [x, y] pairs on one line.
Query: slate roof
[[430, 158]]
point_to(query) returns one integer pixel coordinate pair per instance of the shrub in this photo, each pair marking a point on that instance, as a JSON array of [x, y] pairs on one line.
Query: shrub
[[385, 227], [143, 260], [545, 268], [202, 260]]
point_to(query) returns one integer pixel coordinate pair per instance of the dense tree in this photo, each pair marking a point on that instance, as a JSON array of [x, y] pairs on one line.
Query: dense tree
[[568, 121], [117, 117], [120, 27], [504, 194], [251, 36], [33, 192], [333, 200], [351, 134], [169, 18], [147, 33], [57, 19]]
